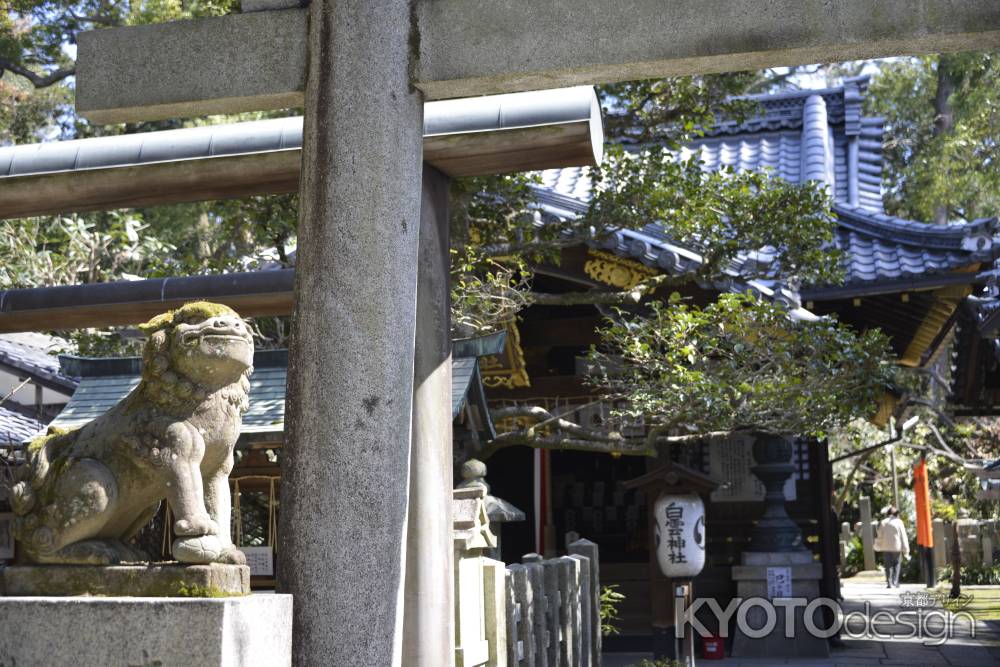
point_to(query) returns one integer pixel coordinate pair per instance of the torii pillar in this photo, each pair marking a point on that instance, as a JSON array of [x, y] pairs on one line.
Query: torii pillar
[[346, 471]]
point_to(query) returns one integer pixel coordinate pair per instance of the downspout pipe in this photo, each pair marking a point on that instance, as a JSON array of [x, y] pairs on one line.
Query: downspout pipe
[[465, 137]]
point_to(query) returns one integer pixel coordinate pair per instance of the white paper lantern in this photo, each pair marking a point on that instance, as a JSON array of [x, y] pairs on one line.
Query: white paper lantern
[[679, 525]]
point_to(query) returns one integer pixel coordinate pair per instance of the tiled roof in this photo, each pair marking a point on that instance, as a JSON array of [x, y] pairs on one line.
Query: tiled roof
[[105, 382], [29, 353], [800, 136], [15, 428], [878, 247], [97, 395]]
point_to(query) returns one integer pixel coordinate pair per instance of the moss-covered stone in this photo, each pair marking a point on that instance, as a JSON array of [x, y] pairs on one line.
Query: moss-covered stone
[[52, 433], [156, 580]]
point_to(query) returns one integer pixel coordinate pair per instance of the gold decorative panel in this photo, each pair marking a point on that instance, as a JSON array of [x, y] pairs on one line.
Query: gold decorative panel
[[506, 370], [616, 271]]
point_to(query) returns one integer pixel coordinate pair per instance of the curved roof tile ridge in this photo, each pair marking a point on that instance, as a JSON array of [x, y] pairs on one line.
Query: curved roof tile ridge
[[961, 243], [816, 141], [783, 110], [16, 428]]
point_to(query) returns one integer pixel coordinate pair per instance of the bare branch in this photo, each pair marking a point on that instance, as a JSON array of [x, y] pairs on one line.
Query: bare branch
[[585, 298], [561, 443], [536, 412], [97, 18], [508, 249], [546, 418], [39, 81], [628, 297], [579, 438]]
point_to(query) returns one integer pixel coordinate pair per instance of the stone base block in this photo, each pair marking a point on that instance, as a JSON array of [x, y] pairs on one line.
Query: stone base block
[[250, 631], [156, 580], [751, 578], [777, 558]]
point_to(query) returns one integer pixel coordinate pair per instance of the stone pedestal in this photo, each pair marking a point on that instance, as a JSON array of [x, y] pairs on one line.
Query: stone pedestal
[[166, 632], [752, 582], [156, 580]]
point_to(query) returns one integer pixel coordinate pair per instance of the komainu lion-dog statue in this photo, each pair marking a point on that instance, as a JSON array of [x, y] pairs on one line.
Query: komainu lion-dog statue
[[84, 493]]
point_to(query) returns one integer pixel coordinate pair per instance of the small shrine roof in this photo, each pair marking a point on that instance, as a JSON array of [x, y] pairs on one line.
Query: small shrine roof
[[103, 382], [15, 428], [28, 354], [673, 475]]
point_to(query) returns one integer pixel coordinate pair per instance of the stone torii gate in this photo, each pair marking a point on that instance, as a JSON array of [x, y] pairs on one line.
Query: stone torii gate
[[363, 69]]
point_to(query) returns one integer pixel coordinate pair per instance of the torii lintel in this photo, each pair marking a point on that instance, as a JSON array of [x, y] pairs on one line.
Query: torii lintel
[[257, 60]]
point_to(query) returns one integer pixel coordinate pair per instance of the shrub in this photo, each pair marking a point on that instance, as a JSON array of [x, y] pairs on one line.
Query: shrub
[[610, 599], [978, 575], [855, 560]]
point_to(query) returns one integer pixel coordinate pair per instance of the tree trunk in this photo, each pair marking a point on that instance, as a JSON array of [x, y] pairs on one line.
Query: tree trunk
[[948, 79], [956, 562]]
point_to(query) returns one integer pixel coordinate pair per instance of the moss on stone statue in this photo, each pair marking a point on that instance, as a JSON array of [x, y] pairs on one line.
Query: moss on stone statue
[[84, 491], [196, 310], [40, 441], [196, 591]]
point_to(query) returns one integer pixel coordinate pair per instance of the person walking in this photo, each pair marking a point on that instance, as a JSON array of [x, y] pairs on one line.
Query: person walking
[[892, 541]]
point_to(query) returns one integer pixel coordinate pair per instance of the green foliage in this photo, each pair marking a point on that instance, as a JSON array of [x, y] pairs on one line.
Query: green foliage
[[673, 110], [940, 153], [721, 214], [944, 510], [855, 560], [660, 662], [485, 293], [610, 599], [74, 249], [979, 575], [740, 363]]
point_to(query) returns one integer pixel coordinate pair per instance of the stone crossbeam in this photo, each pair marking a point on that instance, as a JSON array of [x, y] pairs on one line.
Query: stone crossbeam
[[253, 61], [227, 64], [475, 48]]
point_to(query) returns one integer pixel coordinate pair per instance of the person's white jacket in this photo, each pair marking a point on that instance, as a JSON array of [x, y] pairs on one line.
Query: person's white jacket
[[892, 536]]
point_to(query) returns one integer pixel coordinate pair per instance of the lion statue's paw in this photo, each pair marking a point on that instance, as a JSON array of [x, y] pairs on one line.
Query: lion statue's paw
[[232, 556], [203, 549], [197, 525]]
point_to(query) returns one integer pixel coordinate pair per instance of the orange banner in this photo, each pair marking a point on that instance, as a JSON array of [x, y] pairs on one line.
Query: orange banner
[[921, 488]]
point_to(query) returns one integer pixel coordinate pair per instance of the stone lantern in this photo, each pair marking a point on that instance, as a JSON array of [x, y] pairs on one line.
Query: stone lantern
[[777, 565], [498, 510], [775, 530]]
